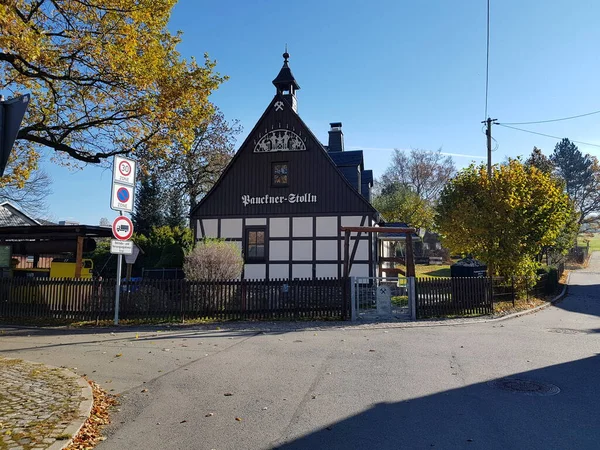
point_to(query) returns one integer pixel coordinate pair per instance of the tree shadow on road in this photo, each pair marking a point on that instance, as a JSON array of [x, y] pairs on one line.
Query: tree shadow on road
[[479, 416], [583, 295]]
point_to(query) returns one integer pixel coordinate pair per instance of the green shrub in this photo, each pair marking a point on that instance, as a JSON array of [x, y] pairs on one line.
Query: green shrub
[[214, 259]]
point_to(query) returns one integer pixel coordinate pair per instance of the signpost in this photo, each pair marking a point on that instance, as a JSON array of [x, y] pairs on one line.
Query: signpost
[[121, 199], [122, 228], [121, 247]]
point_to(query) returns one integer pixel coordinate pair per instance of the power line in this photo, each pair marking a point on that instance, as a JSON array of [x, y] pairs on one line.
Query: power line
[[553, 120], [487, 61], [546, 135]]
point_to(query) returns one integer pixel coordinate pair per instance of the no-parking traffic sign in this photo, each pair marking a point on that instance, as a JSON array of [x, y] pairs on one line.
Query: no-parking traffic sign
[[122, 197], [123, 184], [122, 228]]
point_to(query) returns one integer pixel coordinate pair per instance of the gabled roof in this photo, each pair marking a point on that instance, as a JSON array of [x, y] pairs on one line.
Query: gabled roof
[[367, 177], [352, 158], [281, 98], [11, 216]]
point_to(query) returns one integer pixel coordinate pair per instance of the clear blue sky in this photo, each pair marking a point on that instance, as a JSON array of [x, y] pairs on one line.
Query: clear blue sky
[[397, 74]]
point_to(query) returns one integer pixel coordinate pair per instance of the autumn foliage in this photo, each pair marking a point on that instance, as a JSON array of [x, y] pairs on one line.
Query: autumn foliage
[[506, 221], [105, 79], [214, 259]]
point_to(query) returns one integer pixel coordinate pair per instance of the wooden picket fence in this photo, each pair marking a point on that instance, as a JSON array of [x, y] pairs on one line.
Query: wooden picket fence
[[459, 296], [170, 300]]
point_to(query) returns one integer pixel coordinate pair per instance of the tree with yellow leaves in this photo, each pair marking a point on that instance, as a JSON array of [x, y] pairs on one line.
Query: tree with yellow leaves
[[105, 79], [507, 220]]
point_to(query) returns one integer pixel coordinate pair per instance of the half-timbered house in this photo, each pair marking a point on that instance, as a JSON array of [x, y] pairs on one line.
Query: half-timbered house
[[284, 197]]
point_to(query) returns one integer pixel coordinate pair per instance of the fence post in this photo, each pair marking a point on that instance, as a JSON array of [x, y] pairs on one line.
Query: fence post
[[514, 294], [353, 311], [491, 295], [412, 298]]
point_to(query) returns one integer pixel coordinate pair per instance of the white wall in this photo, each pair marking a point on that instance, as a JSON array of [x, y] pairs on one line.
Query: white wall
[[302, 250], [327, 270], [255, 271], [362, 252], [351, 221], [279, 227], [302, 271], [210, 228], [359, 270], [279, 250], [255, 221], [231, 228], [327, 250], [302, 226], [327, 226], [279, 271]]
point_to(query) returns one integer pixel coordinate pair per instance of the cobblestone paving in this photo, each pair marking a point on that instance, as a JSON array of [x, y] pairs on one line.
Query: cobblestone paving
[[37, 403]]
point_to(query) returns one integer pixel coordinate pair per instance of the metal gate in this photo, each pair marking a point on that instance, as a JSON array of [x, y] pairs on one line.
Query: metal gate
[[376, 298]]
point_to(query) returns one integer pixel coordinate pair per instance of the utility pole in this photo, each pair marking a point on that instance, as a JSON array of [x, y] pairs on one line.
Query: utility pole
[[488, 133]]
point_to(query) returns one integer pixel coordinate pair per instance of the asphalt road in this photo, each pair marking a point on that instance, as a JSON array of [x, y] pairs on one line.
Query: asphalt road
[[397, 388]]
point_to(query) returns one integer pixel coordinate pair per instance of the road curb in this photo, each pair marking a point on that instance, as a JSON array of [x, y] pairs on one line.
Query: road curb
[[556, 299], [85, 408]]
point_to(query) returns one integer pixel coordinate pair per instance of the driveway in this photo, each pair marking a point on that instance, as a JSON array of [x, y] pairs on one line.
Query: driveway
[[351, 388]]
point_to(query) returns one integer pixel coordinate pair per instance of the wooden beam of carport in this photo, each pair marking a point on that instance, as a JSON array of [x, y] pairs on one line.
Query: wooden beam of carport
[[410, 259]]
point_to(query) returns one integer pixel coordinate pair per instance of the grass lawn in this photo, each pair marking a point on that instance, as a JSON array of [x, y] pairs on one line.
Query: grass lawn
[[432, 271], [594, 243]]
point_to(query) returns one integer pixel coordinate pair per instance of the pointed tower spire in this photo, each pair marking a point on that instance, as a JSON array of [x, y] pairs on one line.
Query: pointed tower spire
[[286, 84]]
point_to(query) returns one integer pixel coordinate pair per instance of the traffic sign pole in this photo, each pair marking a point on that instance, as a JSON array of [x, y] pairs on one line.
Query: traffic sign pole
[[122, 192], [118, 290]]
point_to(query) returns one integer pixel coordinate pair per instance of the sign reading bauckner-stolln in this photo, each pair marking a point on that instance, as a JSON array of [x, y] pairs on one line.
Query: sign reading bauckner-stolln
[[271, 200]]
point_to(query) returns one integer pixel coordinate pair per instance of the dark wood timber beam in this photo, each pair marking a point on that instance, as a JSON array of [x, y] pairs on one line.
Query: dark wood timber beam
[[378, 229]]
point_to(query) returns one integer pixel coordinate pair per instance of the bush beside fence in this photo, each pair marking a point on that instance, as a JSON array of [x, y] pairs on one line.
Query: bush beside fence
[[464, 296], [170, 300]]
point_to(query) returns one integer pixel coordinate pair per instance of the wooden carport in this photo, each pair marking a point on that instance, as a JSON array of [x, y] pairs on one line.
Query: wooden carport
[[53, 239], [349, 256]]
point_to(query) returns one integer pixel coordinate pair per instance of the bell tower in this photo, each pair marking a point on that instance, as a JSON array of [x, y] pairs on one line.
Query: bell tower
[[286, 84]]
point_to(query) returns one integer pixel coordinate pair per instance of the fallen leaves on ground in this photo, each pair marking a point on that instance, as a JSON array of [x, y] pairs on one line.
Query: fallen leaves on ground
[[90, 433]]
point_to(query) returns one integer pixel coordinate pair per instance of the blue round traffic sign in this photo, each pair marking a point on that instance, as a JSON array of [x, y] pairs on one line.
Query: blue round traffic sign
[[123, 195]]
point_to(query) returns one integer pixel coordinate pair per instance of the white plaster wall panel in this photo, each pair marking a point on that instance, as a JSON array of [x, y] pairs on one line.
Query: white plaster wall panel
[[327, 271], [351, 221], [279, 271], [279, 250], [327, 226], [210, 227], [231, 228], [327, 250], [359, 270], [362, 252], [198, 230], [279, 227], [302, 271], [255, 271], [255, 221], [302, 250], [302, 226]]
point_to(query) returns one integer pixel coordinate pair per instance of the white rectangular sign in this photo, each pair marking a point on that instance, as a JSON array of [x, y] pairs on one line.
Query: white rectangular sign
[[122, 197], [121, 247], [124, 170]]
